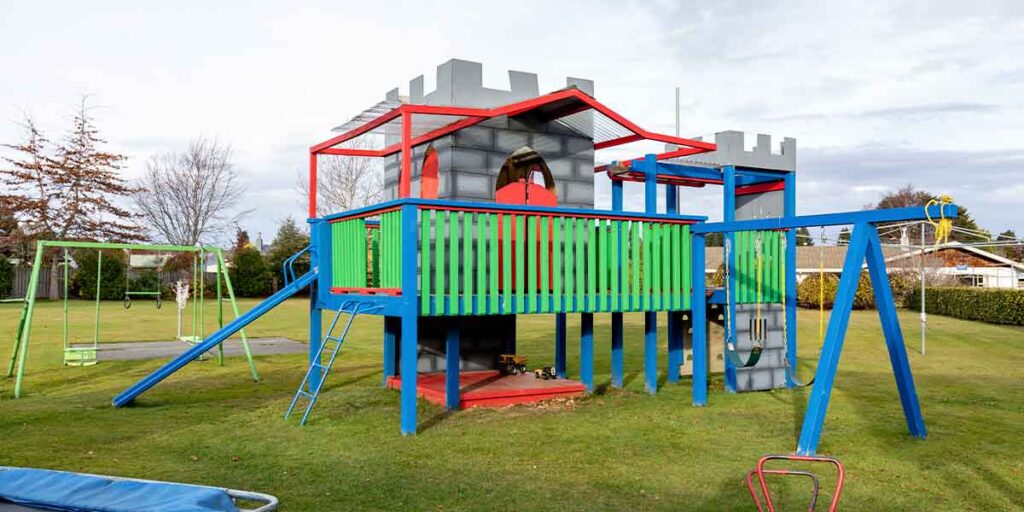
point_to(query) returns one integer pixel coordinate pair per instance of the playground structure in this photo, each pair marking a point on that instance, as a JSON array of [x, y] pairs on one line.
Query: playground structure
[[484, 241], [86, 355]]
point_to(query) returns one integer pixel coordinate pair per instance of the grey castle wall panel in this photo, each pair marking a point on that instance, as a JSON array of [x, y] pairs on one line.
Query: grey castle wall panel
[[769, 372], [756, 206], [731, 151]]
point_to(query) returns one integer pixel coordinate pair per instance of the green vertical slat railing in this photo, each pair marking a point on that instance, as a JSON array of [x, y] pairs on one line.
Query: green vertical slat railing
[[492, 264], [453, 264], [616, 266], [545, 254], [440, 235], [635, 265], [675, 267], [601, 241], [467, 263], [591, 244], [506, 262], [481, 262], [687, 274], [425, 237], [531, 264], [570, 264], [520, 269], [556, 265], [580, 253]]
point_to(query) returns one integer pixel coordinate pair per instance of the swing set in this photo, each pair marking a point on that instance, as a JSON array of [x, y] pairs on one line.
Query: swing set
[[152, 257]]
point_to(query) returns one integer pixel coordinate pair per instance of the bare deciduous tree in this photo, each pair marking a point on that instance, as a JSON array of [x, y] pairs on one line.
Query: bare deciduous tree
[[345, 182], [190, 196]]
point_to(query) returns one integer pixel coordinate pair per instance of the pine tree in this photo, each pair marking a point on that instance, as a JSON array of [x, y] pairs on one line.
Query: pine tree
[[803, 237], [66, 190]]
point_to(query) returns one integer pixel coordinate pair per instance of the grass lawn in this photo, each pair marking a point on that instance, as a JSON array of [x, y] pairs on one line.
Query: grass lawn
[[617, 450]]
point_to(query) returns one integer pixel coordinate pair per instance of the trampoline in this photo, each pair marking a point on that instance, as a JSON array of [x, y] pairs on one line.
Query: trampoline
[[27, 489]]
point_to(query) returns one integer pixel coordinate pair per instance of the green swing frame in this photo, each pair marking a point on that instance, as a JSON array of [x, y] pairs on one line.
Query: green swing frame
[[87, 355]]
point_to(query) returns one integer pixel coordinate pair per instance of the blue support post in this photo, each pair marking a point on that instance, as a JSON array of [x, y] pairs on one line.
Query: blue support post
[[410, 318], [651, 351], [617, 325], [650, 183], [817, 405], [698, 316], [587, 351], [674, 318], [392, 327], [319, 257], [893, 336], [451, 366], [788, 212], [650, 317], [560, 345], [617, 359], [729, 215], [675, 345]]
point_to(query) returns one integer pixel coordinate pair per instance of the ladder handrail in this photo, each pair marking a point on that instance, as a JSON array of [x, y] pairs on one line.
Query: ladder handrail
[[288, 268]]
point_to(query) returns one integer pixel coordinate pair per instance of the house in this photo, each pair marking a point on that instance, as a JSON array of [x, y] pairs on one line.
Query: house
[[963, 265], [952, 263]]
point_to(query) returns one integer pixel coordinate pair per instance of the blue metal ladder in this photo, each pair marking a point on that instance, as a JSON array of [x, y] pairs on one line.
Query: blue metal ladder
[[317, 366]]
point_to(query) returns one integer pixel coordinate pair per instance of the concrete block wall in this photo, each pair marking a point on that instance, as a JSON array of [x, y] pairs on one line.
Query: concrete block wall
[[483, 339], [770, 370]]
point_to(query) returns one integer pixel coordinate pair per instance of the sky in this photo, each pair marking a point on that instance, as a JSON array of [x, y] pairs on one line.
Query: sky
[[877, 94]]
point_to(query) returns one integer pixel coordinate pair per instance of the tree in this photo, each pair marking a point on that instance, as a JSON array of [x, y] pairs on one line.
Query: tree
[[909, 197], [803, 237], [288, 241], [249, 274], [345, 182], [714, 240], [844, 237], [191, 196], [1014, 252], [66, 190]]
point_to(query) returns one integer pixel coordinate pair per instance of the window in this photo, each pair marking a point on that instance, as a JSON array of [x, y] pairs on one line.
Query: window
[[972, 280]]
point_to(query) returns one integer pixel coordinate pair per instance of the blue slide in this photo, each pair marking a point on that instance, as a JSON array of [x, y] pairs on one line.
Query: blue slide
[[213, 340]]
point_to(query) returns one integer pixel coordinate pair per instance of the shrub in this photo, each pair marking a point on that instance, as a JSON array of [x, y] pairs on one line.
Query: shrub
[[83, 282], [808, 291], [993, 306], [6, 277], [249, 274]]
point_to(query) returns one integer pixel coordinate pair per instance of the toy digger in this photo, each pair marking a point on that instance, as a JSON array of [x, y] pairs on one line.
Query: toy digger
[[547, 372], [511, 364]]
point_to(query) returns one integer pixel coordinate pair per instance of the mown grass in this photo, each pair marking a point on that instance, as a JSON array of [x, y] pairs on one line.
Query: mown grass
[[617, 450]]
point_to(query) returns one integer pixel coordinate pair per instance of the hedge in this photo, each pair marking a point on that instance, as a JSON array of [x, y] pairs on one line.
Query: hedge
[[6, 277], [994, 306], [808, 291]]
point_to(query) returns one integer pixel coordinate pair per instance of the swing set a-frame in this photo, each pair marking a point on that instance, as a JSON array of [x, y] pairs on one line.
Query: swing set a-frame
[[87, 354]]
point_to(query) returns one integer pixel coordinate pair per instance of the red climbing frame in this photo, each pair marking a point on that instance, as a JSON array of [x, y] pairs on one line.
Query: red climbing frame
[[554, 106]]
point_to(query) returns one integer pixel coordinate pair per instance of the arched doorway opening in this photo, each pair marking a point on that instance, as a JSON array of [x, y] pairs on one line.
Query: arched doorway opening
[[428, 174], [525, 179]]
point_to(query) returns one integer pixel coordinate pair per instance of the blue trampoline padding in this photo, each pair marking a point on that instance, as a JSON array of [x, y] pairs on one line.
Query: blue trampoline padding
[[60, 490]]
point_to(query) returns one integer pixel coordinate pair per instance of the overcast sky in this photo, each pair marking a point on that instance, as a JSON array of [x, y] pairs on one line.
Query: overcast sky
[[877, 94]]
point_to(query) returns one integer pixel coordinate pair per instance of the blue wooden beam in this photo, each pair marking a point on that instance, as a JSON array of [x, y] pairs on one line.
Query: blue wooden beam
[[451, 365], [789, 301], [410, 320], [886, 305], [560, 345], [817, 405], [828, 219], [392, 326], [729, 215], [698, 318], [651, 352], [587, 351], [617, 356]]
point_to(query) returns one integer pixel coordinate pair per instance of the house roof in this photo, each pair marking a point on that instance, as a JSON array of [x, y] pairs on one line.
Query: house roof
[[981, 253]]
